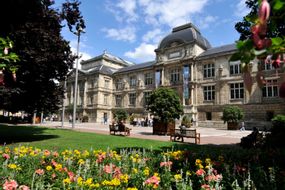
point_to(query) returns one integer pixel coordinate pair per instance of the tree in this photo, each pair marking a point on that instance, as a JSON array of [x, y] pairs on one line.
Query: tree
[[165, 104], [232, 115], [45, 57], [120, 115]]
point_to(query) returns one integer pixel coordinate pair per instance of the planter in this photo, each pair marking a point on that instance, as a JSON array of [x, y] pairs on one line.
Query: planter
[[160, 128], [233, 126]]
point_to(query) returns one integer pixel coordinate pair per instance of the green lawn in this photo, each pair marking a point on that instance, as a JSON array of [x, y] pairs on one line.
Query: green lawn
[[60, 139]]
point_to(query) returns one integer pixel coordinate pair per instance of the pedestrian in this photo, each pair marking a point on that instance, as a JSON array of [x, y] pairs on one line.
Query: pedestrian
[[242, 128]]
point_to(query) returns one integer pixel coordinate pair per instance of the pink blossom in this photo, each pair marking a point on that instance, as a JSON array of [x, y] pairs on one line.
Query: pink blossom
[[10, 185], [153, 180], [200, 172], [205, 186], [6, 51], [40, 171], [24, 187], [264, 11], [6, 156], [46, 152], [167, 164]]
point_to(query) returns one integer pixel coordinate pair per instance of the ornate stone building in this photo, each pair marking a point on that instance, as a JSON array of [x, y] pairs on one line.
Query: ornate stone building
[[185, 61]]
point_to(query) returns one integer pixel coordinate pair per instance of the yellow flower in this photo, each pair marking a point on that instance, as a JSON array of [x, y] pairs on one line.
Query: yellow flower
[[208, 161], [88, 182], [66, 181], [146, 171], [177, 177], [58, 167], [134, 170], [79, 181], [124, 178], [85, 153], [96, 185], [12, 166], [81, 161], [115, 182], [188, 173], [48, 168], [132, 188], [198, 162]]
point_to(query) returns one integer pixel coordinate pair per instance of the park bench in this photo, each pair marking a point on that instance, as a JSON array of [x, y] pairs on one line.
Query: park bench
[[119, 129], [180, 134]]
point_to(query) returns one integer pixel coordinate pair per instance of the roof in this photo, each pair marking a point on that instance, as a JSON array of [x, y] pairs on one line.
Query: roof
[[108, 56], [136, 66], [217, 51], [187, 33]]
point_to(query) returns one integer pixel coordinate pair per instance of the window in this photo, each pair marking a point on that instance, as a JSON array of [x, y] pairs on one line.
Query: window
[[93, 83], [107, 83], [209, 70], [235, 68], [237, 91], [132, 99], [148, 79], [119, 84], [106, 99], [209, 93], [174, 75], [118, 99], [133, 81], [208, 115], [270, 89], [146, 97], [90, 99], [268, 66]]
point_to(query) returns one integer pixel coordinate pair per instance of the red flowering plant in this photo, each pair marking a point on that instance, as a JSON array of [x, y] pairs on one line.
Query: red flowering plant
[[262, 37]]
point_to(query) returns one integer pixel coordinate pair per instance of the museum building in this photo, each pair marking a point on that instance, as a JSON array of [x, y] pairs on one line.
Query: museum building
[[204, 78]]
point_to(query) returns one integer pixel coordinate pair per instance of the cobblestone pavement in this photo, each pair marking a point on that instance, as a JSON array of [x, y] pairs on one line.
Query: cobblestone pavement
[[208, 135]]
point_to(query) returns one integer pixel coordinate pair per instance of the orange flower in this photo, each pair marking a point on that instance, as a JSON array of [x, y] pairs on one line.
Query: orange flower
[[40, 171], [200, 172]]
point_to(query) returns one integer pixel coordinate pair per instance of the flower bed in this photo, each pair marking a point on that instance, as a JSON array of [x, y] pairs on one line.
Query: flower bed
[[33, 168]]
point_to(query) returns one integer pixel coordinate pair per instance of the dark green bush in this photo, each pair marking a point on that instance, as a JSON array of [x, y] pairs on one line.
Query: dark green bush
[[232, 114], [186, 121], [277, 135]]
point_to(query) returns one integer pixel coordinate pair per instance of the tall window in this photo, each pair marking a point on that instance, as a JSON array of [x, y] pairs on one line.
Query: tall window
[[118, 100], [146, 97], [133, 81], [270, 89], [148, 79], [175, 75], [237, 90], [107, 83], [119, 84], [209, 70], [90, 99], [106, 99], [132, 99], [268, 66], [235, 68], [209, 93]]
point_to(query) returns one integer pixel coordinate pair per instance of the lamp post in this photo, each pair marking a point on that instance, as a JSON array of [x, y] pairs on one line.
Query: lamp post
[[76, 79]]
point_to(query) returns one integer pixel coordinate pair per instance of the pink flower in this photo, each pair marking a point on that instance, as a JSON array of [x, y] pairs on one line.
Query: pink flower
[[6, 51], [6, 156], [46, 152], [40, 171], [154, 180], [10, 185], [200, 172], [24, 187], [205, 186], [55, 154], [264, 11], [166, 164]]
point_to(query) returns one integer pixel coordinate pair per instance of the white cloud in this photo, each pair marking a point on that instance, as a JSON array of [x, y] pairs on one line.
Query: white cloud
[[145, 52], [128, 7], [124, 34], [241, 9], [207, 21], [153, 36], [171, 12]]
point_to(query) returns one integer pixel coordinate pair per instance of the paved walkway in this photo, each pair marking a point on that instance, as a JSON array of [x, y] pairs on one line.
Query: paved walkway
[[208, 135]]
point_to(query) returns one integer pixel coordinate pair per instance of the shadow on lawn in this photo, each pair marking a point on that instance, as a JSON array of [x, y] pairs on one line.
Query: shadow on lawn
[[10, 134]]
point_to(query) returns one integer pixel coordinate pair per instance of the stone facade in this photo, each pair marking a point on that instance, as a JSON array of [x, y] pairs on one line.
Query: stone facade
[[203, 77]]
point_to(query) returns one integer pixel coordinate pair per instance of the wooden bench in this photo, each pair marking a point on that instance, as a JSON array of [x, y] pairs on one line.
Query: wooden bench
[[180, 134], [119, 129]]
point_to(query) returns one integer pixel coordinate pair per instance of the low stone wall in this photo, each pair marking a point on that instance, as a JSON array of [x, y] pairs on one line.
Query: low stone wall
[[212, 124]]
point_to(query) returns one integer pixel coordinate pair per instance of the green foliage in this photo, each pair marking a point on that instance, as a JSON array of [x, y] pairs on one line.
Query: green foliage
[[232, 114], [276, 137], [186, 121], [7, 60], [121, 115], [276, 32], [165, 104]]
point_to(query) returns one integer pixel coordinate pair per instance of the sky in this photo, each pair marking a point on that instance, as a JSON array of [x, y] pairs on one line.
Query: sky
[[133, 29]]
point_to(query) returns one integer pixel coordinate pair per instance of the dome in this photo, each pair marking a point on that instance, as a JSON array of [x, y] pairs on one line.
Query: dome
[[184, 34]]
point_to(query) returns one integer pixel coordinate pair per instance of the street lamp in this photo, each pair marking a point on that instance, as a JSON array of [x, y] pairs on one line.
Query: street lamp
[[76, 78]]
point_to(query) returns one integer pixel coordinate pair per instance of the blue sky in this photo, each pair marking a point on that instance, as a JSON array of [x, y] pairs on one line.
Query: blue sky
[[132, 29]]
